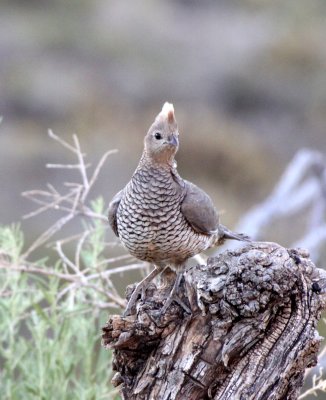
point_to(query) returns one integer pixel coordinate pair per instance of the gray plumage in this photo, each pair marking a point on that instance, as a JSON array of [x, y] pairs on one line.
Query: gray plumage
[[158, 216]]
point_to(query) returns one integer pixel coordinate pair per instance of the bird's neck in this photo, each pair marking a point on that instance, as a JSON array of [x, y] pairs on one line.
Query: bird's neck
[[161, 161]]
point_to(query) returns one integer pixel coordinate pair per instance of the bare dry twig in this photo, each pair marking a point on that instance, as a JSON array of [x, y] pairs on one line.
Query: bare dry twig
[[92, 281], [302, 187]]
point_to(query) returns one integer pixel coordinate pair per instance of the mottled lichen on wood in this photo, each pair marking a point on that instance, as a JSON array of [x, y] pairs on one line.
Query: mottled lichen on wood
[[251, 335]]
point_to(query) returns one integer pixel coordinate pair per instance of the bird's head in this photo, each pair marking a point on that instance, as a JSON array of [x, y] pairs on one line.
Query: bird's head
[[162, 140]]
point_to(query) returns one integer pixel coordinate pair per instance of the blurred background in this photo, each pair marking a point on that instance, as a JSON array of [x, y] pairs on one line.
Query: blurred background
[[247, 79]]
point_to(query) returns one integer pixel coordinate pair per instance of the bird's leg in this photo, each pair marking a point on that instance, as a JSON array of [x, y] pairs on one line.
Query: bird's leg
[[174, 297], [140, 287]]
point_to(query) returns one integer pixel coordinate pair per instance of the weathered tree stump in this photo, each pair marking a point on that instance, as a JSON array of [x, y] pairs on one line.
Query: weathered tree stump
[[251, 335]]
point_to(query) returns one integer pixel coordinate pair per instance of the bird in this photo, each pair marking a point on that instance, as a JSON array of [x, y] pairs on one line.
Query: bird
[[160, 217]]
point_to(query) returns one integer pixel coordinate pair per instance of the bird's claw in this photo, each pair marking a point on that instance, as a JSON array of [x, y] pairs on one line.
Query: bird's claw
[[143, 293], [174, 297], [170, 300], [140, 288], [128, 310]]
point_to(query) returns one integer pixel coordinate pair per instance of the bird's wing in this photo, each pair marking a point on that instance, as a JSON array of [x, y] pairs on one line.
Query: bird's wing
[[198, 209], [113, 208]]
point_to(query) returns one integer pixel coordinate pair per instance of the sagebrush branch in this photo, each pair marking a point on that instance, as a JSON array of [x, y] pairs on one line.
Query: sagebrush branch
[[85, 275], [72, 203]]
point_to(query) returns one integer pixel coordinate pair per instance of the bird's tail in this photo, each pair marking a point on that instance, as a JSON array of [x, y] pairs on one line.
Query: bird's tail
[[225, 233]]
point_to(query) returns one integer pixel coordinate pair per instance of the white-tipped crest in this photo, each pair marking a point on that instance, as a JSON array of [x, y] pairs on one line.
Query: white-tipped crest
[[167, 108], [167, 113]]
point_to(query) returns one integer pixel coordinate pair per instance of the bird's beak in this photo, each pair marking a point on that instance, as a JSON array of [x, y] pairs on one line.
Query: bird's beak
[[173, 140]]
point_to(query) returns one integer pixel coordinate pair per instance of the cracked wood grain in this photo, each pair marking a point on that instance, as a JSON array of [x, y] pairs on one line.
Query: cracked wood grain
[[251, 335]]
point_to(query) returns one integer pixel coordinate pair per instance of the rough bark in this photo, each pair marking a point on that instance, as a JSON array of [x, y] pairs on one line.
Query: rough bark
[[251, 334]]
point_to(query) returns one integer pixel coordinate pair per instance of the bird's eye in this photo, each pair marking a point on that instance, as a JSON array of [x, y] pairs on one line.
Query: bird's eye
[[157, 135]]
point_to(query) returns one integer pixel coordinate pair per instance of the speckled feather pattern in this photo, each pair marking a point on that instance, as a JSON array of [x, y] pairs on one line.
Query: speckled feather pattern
[[150, 222]]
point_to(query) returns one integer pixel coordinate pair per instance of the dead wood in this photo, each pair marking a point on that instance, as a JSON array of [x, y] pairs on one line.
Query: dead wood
[[251, 335]]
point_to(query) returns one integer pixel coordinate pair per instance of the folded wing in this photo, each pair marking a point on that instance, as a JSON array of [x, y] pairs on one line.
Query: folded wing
[[113, 209], [198, 209]]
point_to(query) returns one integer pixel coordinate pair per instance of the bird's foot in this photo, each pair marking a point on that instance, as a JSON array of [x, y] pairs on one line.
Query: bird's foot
[[170, 300], [174, 297], [143, 293], [133, 299], [140, 288]]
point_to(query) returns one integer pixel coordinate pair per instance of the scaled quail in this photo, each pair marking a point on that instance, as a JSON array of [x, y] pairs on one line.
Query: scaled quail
[[160, 217]]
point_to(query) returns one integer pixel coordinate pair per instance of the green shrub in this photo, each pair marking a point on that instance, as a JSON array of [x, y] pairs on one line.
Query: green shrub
[[52, 309], [49, 347]]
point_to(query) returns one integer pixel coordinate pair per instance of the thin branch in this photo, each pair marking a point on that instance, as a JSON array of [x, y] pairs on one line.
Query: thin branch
[[82, 167], [45, 236], [118, 270], [79, 247], [92, 214], [62, 142], [99, 166], [48, 234], [74, 203], [66, 260], [118, 300], [66, 166], [114, 259], [100, 275], [29, 194], [86, 211], [39, 271], [52, 189], [46, 206], [317, 384]]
